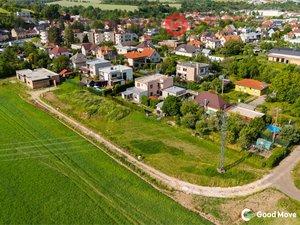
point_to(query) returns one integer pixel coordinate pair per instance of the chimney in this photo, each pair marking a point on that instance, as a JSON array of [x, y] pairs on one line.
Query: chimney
[[205, 103]]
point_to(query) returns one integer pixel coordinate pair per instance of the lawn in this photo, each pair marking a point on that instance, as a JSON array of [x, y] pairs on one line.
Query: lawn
[[174, 150], [51, 175], [296, 175], [95, 3], [234, 97]]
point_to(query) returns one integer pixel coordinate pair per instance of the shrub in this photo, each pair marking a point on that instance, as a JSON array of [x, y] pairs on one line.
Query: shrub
[[189, 120], [278, 154]]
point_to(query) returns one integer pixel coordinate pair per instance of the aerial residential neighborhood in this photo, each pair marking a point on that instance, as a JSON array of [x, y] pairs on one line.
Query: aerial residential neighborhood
[[150, 112]]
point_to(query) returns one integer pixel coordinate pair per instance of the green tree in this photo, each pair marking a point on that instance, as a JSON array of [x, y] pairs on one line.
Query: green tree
[[171, 106], [145, 100], [85, 39], [69, 37], [201, 127], [54, 35], [290, 134], [189, 120], [232, 48], [189, 106], [60, 63]]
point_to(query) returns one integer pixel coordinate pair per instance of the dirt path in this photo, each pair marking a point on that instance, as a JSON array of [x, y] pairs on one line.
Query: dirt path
[[279, 178]]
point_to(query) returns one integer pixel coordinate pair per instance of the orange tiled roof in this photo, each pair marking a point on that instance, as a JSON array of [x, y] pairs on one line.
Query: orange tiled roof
[[232, 38], [146, 52], [255, 84]]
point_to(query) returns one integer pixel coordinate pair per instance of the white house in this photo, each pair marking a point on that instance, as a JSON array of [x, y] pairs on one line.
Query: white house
[[117, 74], [93, 66]]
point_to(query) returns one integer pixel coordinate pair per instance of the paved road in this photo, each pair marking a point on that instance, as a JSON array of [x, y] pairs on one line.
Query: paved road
[[279, 178]]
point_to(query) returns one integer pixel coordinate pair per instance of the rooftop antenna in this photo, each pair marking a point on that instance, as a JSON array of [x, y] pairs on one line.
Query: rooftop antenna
[[221, 168]]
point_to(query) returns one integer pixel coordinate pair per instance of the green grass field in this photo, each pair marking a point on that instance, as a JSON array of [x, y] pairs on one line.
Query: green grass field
[[171, 149], [95, 3], [51, 175], [296, 175]]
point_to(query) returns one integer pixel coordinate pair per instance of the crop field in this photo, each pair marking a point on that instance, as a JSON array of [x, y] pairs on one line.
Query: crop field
[[171, 149], [51, 175], [95, 3]]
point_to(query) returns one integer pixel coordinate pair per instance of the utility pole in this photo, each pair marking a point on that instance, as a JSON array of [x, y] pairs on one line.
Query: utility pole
[[221, 168]]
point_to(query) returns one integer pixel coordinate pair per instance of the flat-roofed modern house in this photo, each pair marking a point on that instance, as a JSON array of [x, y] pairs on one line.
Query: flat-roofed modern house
[[38, 78], [245, 111], [174, 91], [285, 55], [251, 87], [117, 74], [151, 85], [192, 71], [93, 66]]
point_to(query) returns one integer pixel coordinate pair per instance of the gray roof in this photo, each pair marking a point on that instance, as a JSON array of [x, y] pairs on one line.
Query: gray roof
[[133, 90], [174, 90], [193, 64], [97, 61], [37, 74], [187, 48], [285, 51], [78, 58]]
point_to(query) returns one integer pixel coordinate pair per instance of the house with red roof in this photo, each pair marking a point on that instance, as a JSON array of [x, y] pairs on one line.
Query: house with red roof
[[58, 51], [251, 87], [142, 56], [211, 102]]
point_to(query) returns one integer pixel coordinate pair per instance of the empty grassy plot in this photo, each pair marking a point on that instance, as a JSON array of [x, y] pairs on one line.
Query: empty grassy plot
[[296, 175], [95, 3], [51, 175], [170, 149]]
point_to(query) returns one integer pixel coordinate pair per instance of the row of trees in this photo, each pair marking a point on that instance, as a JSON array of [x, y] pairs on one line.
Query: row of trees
[[190, 115]]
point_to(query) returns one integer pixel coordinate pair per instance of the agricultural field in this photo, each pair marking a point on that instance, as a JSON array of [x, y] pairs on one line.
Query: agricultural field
[[171, 149], [98, 4], [51, 175], [95, 3]]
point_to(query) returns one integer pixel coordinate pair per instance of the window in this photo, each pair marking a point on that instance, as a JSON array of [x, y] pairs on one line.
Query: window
[[184, 69], [151, 86]]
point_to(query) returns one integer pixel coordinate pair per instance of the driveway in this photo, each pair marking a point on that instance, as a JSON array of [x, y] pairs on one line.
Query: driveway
[[259, 101]]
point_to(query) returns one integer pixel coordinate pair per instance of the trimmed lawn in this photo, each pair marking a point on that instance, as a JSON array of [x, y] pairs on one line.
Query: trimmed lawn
[[234, 97], [170, 149], [296, 175], [96, 3], [51, 175]]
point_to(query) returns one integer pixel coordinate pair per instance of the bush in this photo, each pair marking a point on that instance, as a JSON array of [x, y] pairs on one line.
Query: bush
[[278, 154], [189, 120]]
